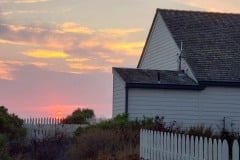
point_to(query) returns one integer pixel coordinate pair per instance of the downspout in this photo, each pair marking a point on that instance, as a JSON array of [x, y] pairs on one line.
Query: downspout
[[126, 100]]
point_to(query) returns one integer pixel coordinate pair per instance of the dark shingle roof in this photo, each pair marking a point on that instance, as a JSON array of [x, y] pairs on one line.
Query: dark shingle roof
[[145, 76], [211, 42]]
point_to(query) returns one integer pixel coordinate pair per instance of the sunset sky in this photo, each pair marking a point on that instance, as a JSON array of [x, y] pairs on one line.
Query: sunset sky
[[57, 55]]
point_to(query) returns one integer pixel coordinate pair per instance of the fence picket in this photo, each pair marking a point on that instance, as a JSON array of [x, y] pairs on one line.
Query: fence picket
[[183, 147], [167, 146], [161, 157], [225, 150], [158, 146], [196, 148], [155, 145], [172, 146], [179, 150], [175, 146], [150, 145], [200, 149], [205, 148], [235, 150], [145, 143], [140, 142], [219, 148], [214, 149], [164, 146], [187, 148], [210, 149], [192, 148]]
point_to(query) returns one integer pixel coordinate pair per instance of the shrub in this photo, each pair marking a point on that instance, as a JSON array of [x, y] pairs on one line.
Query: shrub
[[3, 148], [201, 130], [79, 116], [12, 133], [112, 139]]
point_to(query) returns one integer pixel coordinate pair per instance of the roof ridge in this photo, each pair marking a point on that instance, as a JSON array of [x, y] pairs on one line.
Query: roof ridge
[[196, 11]]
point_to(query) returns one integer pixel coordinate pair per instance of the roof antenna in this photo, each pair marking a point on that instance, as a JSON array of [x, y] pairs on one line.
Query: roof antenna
[[180, 56]]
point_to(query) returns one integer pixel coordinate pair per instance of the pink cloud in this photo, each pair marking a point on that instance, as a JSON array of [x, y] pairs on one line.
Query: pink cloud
[[214, 5]]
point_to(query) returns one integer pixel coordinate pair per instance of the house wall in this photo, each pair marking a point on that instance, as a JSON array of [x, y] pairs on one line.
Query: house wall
[[161, 51], [188, 107], [118, 95]]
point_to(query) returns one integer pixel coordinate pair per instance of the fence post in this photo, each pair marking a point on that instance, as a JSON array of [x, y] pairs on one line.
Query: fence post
[[235, 150]]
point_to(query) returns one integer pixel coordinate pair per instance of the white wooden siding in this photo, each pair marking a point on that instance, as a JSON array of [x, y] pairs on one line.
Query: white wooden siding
[[188, 107], [118, 95], [161, 50]]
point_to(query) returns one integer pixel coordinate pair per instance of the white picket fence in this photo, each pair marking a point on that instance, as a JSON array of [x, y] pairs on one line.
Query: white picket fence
[[169, 146], [39, 129], [42, 120]]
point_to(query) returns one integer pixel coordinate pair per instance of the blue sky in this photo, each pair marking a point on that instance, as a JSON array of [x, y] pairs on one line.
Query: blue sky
[[57, 55]]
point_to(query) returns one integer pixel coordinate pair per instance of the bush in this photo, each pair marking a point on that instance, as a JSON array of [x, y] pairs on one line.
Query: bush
[[112, 139], [12, 133], [119, 138], [79, 116], [3, 148], [201, 130]]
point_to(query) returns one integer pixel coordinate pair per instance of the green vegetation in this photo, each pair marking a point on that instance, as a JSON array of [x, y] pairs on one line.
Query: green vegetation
[[117, 138], [112, 139], [79, 116], [12, 134]]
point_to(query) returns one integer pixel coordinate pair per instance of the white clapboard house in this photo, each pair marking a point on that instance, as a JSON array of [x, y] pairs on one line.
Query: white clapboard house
[[189, 71]]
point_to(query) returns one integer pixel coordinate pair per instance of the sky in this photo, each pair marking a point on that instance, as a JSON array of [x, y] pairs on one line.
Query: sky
[[57, 55]]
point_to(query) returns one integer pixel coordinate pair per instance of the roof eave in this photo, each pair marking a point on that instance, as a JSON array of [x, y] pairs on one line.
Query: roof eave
[[220, 83], [165, 86]]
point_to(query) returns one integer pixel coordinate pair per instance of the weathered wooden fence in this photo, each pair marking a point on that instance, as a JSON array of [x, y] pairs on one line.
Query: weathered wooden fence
[[42, 128], [169, 146]]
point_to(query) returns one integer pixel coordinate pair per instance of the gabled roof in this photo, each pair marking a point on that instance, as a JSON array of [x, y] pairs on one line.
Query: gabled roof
[[155, 77], [211, 42]]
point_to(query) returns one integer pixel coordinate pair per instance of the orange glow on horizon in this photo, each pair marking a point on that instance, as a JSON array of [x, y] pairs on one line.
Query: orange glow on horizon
[[58, 111], [59, 115]]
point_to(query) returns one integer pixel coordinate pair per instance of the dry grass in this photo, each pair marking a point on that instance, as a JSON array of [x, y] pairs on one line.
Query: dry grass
[[103, 144], [116, 139]]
